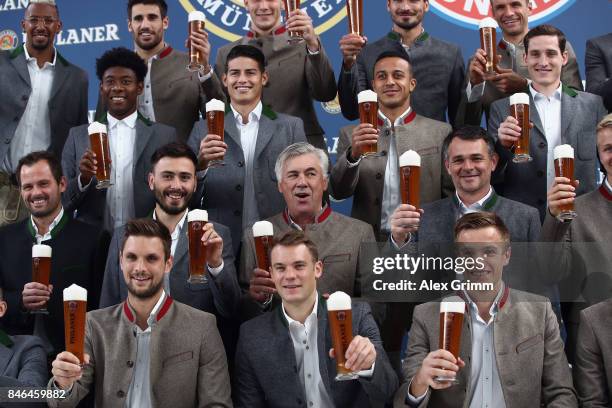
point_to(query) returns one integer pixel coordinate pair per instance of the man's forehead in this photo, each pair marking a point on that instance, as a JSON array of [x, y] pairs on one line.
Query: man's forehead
[[42, 10], [548, 42], [392, 64], [144, 245], [458, 145], [302, 162], [145, 9]]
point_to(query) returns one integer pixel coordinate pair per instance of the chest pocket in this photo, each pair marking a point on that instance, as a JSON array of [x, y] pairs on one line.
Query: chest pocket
[[178, 358], [336, 258]]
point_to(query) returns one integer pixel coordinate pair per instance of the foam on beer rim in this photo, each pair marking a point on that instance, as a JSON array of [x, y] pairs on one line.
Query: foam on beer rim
[[410, 158], [263, 229], [41, 251], [96, 127], [197, 215], [487, 22], [452, 304], [519, 99], [338, 301], [563, 151], [196, 16], [367, 96], [75, 293], [215, 105]]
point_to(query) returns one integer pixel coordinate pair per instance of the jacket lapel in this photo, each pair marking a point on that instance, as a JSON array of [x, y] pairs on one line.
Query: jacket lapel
[[327, 367], [181, 246], [264, 134], [534, 116], [60, 75], [568, 110], [19, 62], [143, 134], [465, 352], [230, 127]]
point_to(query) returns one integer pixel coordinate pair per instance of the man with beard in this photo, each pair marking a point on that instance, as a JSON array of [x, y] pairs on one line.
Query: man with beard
[[132, 139], [171, 95], [43, 96], [438, 65], [161, 353], [173, 182], [78, 251]]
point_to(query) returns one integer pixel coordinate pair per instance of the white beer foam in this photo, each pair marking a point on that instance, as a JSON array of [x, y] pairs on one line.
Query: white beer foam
[[215, 105], [74, 292], [367, 96], [487, 22], [197, 215], [263, 229], [519, 99], [196, 16], [41, 251], [339, 301], [452, 304], [410, 158], [563, 151], [96, 127]]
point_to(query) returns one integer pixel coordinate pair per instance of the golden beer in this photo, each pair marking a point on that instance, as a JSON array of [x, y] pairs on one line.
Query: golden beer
[[354, 13], [564, 167], [410, 177], [196, 220], [368, 113], [263, 234], [41, 264], [98, 140], [488, 42], [295, 37], [215, 119], [519, 109], [451, 323], [75, 311], [196, 23], [340, 317]]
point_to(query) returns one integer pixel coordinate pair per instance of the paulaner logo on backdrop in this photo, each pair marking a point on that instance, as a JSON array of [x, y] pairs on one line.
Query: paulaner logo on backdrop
[[468, 13], [230, 20]]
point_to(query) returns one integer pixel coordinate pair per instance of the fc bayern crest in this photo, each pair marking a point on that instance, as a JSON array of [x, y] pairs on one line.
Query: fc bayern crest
[[468, 13], [8, 40], [230, 20]]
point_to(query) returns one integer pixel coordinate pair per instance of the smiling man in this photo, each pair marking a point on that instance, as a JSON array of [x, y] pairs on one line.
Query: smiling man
[[560, 115], [132, 140]]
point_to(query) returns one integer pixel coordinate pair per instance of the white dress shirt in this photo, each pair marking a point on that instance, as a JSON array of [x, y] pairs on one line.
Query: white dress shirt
[[40, 238], [476, 207], [120, 196], [608, 186], [549, 110], [248, 140], [33, 132]]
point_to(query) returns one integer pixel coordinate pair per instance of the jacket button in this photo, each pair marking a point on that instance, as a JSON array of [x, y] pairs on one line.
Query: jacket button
[[16, 119], [24, 97], [130, 363], [542, 145], [240, 164], [238, 187], [120, 394], [387, 132], [540, 173], [299, 401], [7, 140], [383, 153], [378, 176], [237, 212]]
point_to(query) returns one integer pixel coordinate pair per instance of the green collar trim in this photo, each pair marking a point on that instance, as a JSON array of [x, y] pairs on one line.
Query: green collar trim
[[392, 35], [5, 340], [486, 206], [103, 118], [146, 121], [568, 91], [321, 310], [266, 111], [19, 50], [56, 230]]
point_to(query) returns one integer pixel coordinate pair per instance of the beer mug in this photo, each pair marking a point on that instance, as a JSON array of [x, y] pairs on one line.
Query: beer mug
[[451, 323], [488, 42], [41, 269], [354, 13], [263, 234], [564, 167], [196, 219], [341, 328], [410, 176], [197, 22], [295, 37], [368, 113], [519, 109], [98, 139], [75, 311], [215, 119]]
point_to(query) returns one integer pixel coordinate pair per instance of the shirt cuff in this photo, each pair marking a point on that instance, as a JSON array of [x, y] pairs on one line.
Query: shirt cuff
[[367, 373], [216, 271], [415, 400], [348, 159], [201, 175], [204, 78], [81, 187], [57, 387], [476, 92], [398, 247]]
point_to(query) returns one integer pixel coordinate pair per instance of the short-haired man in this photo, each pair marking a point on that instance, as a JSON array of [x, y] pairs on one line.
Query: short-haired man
[[284, 357], [132, 140], [23, 360], [438, 65], [78, 251], [560, 115], [244, 190], [504, 330], [373, 181], [598, 63], [161, 353], [172, 95], [297, 74], [512, 74], [43, 96], [173, 182]]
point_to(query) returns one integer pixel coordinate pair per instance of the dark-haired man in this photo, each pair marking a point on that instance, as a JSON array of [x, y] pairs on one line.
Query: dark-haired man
[[171, 95], [43, 96], [161, 353], [132, 139], [78, 251], [598, 63]]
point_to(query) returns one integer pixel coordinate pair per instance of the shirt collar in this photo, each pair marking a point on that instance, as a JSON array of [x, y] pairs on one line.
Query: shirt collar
[[162, 54], [403, 119], [319, 218], [130, 121], [477, 206], [537, 95], [314, 311], [606, 190], [179, 226], [280, 30], [608, 186], [53, 224], [29, 58], [158, 311], [255, 113], [498, 303]]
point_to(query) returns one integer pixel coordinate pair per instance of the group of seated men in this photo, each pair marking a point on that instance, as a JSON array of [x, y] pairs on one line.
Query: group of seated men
[[252, 337]]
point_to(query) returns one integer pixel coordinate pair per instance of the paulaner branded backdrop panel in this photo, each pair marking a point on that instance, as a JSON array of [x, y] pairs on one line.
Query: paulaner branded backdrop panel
[[93, 26]]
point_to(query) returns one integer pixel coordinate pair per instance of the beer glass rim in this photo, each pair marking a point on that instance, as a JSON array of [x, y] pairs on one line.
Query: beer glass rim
[[452, 304], [487, 22], [367, 96], [96, 127], [563, 151], [196, 15], [41, 251], [263, 229], [338, 301], [215, 105], [197, 215], [519, 98], [410, 158], [75, 293]]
